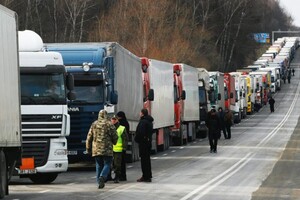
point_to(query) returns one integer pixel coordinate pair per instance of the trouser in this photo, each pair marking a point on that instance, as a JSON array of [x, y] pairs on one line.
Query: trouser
[[145, 162], [228, 128], [213, 142], [103, 164], [123, 166], [224, 131], [117, 164], [272, 108]]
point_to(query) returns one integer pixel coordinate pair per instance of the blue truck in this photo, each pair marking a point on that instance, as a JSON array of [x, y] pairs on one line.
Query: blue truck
[[106, 76]]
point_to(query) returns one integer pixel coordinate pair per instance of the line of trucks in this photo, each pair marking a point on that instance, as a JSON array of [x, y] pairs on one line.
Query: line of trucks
[[43, 131]]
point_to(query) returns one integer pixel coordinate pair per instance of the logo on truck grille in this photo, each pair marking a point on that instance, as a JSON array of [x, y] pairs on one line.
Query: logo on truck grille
[[73, 109], [56, 117]]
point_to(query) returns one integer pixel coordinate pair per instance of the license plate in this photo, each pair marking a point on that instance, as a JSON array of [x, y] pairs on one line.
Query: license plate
[[72, 153], [27, 171]]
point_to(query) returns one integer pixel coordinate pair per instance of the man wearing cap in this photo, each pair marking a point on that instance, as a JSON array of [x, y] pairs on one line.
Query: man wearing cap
[[119, 147]]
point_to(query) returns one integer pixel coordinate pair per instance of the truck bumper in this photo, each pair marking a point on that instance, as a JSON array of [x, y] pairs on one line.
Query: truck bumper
[[58, 159]]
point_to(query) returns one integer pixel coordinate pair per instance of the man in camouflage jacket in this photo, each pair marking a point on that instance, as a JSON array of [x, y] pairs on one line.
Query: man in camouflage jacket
[[100, 140]]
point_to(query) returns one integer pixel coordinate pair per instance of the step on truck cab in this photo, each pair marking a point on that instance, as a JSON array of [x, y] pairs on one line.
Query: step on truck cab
[[45, 119], [114, 74], [159, 99], [10, 126], [186, 104]]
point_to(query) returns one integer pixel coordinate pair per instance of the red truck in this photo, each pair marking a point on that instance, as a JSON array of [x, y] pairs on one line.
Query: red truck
[[186, 103], [158, 99], [229, 87]]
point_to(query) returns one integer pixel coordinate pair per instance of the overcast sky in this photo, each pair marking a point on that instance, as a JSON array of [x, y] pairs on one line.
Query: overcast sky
[[293, 8]]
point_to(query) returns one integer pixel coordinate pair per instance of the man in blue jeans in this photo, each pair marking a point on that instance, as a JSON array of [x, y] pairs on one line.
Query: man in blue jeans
[[99, 142]]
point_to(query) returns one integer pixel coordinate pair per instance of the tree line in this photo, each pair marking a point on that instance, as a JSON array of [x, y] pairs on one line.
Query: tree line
[[214, 34]]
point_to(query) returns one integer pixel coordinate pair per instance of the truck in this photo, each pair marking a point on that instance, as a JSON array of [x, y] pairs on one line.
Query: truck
[[115, 74], [216, 93], [203, 86], [45, 89], [238, 107], [230, 94], [10, 126], [158, 85], [186, 104]]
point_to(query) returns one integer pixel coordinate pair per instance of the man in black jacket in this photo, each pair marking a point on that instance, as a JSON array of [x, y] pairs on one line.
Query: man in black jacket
[[144, 138]]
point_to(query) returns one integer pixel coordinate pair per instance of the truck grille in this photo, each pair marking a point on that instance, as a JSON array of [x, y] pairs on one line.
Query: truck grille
[[80, 125], [41, 125], [37, 148]]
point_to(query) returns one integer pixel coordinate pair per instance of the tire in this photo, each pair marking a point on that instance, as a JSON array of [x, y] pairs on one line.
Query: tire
[[3, 176], [43, 178]]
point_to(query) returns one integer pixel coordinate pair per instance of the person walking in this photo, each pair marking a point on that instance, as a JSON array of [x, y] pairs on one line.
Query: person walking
[[293, 70], [289, 76], [144, 139], [99, 142], [119, 148], [213, 124], [123, 121], [271, 102], [222, 123], [228, 120]]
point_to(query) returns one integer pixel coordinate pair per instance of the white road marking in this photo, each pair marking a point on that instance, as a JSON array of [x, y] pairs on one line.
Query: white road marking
[[44, 191]]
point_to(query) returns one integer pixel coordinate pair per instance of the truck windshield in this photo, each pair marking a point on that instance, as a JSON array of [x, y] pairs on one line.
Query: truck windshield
[[43, 89], [89, 91]]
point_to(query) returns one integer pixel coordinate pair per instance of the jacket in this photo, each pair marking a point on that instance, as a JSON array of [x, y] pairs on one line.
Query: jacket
[[144, 131], [214, 126], [101, 136]]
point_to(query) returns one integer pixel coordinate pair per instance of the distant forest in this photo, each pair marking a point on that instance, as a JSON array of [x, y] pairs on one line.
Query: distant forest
[[214, 34]]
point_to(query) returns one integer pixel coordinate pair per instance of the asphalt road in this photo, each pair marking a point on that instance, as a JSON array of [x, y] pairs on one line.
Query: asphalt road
[[261, 161]]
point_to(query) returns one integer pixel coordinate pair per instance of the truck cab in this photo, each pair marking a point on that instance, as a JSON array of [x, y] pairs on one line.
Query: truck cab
[[92, 73], [45, 119]]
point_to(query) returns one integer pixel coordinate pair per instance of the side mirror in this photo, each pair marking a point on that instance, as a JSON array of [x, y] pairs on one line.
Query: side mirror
[[231, 95], [219, 96], [151, 95], [183, 95], [114, 97], [71, 96], [70, 82]]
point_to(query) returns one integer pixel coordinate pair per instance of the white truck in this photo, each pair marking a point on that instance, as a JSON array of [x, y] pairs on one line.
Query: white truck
[[186, 104], [45, 118], [10, 126], [216, 93], [158, 79], [204, 87], [238, 108]]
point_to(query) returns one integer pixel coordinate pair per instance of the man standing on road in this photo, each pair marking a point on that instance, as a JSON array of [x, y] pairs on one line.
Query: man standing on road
[[271, 102], [293, 70], [228, 120], [213, 124], [119, 148], [144, 139], [123, 121], [222, 123], [100, 140]]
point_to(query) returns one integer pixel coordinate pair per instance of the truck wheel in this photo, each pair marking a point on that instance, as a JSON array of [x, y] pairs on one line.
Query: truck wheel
[[3, 176], [43, 178]]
